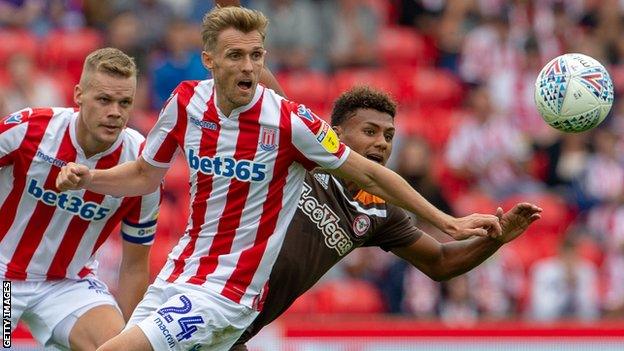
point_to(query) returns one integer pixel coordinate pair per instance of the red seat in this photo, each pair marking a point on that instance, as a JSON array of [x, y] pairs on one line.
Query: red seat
[[433, 124], [403, 47], [307, 87], [435, 87], [66, 50], [306, 303], [16, 41], [349, 296], [556, 216], [65, 84], [542, 239], [376, 78], [472, 202]]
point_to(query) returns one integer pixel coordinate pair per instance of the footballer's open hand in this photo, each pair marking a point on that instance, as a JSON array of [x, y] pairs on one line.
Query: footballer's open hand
[[515, 221], [73, 176], [476, 224]]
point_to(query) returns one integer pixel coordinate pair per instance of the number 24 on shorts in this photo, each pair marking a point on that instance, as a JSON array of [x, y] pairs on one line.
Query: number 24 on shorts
[[188, 323]]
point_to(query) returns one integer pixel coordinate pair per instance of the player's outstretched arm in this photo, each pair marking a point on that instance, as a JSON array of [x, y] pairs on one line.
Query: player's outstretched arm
[[133, 277], [445, 261], [385, 183], [132, 178]]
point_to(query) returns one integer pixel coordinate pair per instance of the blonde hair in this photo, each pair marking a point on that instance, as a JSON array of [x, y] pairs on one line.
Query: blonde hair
[[111, 61], [239, 18]]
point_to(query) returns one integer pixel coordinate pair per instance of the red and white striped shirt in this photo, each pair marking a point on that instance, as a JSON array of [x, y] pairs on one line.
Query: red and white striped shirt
[[44, 234], [246, 175]]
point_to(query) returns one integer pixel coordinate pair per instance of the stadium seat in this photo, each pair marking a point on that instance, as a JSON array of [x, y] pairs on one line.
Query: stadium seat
[[559, 215], [474, 201], [16, 41], [349, 296], [436, 87], [305, 304], [66, 85], [66, 50], [404, 47], [307, 87], [543, 237], [376, 78], [433, 124]]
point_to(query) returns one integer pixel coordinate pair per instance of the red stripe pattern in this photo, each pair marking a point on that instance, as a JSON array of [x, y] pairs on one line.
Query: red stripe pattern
[[246, 174], [45, 234]]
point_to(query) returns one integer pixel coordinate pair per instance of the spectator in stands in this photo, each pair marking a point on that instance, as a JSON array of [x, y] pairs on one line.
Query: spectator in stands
[[28, 87], [124, 33], [492, 36], [606, 223], [295, 34], [352, 29], [458, 303], [421, 295], [414, 164], [497, 285], [567, 159], [180, 61], [154, 17], [19, 13], [603, 179], [565, 286], [486, 148]]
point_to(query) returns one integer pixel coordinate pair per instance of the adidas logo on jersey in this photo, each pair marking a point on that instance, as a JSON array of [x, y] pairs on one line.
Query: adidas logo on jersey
[[323, 179]]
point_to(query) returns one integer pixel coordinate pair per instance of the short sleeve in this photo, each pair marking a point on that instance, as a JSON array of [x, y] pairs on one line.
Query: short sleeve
[[167, 135], [139, 225], [316, 141], [12, 132], [398, 231]]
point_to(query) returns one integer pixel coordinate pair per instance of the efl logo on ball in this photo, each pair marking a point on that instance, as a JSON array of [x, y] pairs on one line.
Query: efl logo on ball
[[573, 93]]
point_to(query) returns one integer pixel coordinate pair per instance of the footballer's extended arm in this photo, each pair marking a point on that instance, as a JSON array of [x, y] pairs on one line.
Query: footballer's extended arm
[[383, 182], [445, 261], [133, 277], [132, 178]]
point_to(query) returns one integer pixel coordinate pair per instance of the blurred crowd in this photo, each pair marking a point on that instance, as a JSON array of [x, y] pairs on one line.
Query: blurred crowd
[[463, 74]]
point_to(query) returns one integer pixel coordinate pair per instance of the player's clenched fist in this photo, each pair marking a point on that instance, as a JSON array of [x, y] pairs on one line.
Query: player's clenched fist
[[73, 176]]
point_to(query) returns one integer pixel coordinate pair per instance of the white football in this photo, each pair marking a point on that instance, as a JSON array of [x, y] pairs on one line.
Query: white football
[[573, 93]]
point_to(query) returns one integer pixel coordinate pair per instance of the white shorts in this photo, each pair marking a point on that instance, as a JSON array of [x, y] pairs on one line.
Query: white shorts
[[188, 317], [44, 305]]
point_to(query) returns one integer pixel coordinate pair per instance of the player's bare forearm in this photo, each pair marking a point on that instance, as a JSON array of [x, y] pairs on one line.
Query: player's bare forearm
[[133, 277], [444, 261], [385, 183], [132, 287], [132, 178]]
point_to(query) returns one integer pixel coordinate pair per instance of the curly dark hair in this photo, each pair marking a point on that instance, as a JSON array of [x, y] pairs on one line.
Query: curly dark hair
[[361, 97]]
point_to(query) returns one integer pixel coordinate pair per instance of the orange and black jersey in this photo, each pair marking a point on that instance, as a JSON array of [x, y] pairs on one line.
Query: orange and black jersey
[[329, 223]]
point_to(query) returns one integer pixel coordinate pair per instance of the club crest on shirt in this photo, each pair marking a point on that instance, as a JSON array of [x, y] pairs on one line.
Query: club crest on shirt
[[15, 118], [268, 138], [361, 223]]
